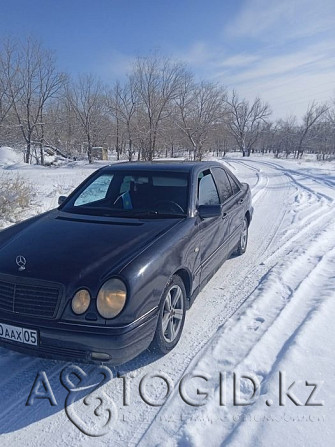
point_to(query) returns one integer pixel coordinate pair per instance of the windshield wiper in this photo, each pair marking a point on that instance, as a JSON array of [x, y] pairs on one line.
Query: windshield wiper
[[129, 213], [155, 213]]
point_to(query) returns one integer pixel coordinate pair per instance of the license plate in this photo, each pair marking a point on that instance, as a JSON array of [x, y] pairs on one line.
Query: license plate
[[18, 334]]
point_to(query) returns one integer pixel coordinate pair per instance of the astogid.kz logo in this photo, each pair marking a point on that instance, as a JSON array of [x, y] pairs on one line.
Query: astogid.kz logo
[[93, 412]]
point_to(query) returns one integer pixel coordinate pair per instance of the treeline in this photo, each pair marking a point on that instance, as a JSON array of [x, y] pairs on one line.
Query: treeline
[[158, 110]]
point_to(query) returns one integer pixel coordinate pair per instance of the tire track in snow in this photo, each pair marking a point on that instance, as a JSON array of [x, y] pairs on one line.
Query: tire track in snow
[[292, 173], [285, 316], [294, 318], [317, 208], [258, 190]]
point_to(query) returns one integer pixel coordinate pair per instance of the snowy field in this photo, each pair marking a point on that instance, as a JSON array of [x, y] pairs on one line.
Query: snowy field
[[267, 316]]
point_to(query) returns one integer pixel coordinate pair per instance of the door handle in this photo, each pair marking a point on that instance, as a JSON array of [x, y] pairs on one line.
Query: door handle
[[224, 215], [241, 201]]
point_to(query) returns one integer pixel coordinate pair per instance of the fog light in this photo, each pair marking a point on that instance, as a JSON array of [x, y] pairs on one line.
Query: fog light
[[100, 356]]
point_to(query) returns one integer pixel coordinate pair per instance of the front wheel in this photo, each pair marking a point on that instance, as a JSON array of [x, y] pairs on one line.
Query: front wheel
[[242, 244], [171, 316]]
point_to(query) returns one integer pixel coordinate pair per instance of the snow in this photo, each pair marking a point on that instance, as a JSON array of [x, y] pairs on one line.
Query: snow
[[267, 315], [9, 156]]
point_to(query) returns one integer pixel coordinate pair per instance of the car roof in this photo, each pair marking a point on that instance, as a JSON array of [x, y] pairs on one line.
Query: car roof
[[173, 166]]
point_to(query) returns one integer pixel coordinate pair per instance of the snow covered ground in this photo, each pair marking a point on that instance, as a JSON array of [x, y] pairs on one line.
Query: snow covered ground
[[263, 326]]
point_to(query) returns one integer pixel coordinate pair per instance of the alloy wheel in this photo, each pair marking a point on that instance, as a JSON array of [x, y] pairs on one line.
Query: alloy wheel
[[173, 313]]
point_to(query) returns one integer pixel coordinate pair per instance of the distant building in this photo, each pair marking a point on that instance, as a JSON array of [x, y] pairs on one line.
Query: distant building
[[99, 153]]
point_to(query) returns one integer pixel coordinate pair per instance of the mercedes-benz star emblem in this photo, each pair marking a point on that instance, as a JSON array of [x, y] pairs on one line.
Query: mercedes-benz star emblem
[[21, 262]]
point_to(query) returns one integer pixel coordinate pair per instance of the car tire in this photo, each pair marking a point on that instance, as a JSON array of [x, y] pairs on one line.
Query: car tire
[[171, 316], [243, 242]]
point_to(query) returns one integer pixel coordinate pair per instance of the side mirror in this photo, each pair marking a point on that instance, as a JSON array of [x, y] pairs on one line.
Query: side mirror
[[206, 211], [61, 199]]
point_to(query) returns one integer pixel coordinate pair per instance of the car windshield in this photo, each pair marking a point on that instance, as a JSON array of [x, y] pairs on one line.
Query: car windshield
[[122, 193]]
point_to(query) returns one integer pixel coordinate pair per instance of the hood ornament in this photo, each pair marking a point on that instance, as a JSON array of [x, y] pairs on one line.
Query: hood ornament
[[21, 262]]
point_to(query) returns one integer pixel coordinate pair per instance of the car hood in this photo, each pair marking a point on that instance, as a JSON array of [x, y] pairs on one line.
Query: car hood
[[69, 249]]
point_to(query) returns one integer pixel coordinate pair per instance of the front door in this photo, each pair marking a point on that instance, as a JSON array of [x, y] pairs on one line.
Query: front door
[[213, 231]]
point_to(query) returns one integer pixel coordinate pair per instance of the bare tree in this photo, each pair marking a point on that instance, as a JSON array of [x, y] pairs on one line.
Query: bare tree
[[220, 140], [32, 81], [63, 134], [244, 121], [6, 74], [9, 91], [200, 107], [121, 103], [322, 139], [86, 99], [156, 82], [285, 138], [312, 116], [172, 139], [331, 113], [114, 106]]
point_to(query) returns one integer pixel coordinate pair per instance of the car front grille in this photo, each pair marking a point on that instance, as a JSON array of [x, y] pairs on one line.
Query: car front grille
[[27, 297]]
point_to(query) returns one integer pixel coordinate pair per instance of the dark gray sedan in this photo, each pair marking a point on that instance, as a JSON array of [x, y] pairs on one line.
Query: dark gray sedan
[[113, 270]]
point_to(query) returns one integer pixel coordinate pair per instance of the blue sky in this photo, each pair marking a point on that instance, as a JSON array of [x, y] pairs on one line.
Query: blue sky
[[283, 51]]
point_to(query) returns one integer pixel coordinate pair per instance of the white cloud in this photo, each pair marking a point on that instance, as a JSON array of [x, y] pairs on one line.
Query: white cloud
[[291, 95], [282, 51], [115, 65], [284, 20], [289, 82], [239, 60], [197, 54], [258, 16], [313, 58]]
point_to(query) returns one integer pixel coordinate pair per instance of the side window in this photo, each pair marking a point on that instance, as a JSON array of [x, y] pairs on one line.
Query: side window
[[207, 192], [234, 184], [223, 184], [97, 190]]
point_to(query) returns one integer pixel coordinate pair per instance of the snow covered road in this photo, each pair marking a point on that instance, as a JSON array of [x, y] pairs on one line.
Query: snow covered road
[[266, 315]]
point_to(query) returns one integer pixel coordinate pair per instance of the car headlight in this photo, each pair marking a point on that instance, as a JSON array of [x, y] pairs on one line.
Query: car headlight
[[111, 298], [81, 301]]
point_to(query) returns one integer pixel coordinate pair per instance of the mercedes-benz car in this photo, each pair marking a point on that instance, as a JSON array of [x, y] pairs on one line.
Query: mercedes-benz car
[[114, 268]]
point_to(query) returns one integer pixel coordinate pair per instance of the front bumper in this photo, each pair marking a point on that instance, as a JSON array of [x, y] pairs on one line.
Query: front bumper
[[79, 343]]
